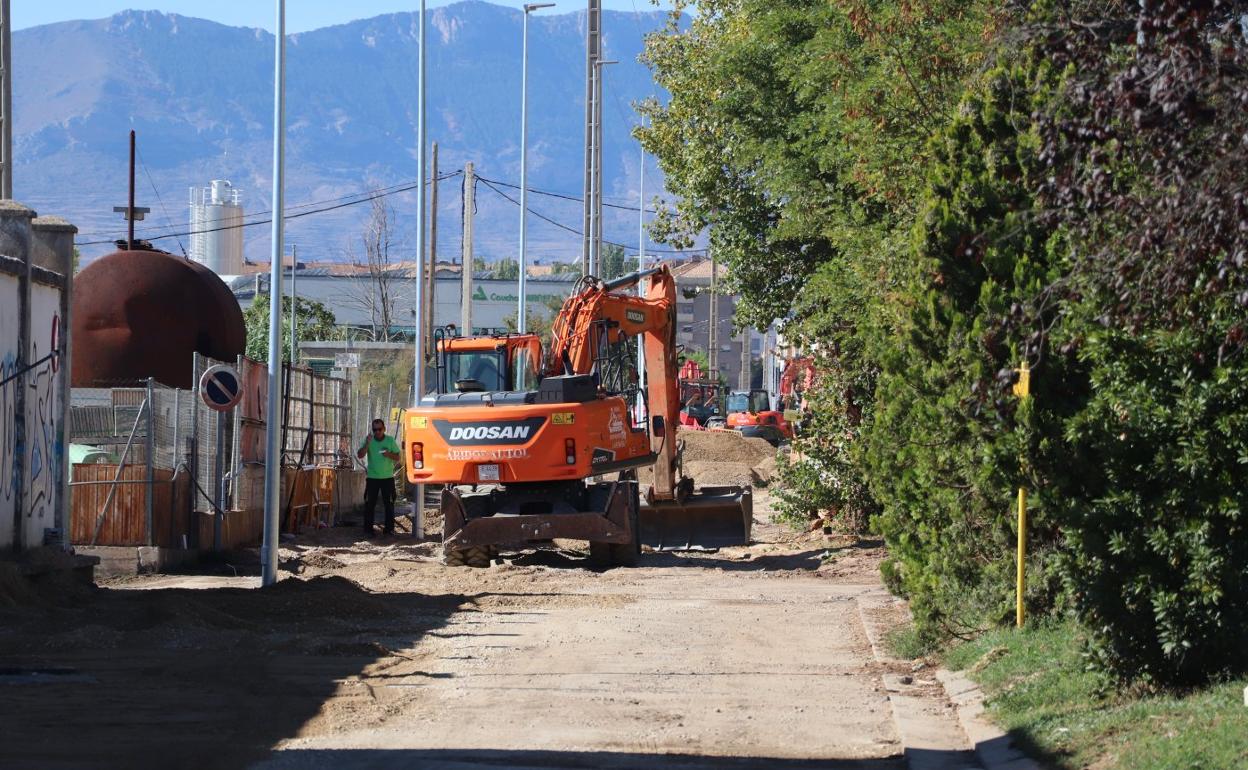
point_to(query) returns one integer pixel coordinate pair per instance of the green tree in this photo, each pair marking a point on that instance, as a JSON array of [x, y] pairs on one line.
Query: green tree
[[615, 263], [314, 321], [949, 443], [392, 375], [539, 321], [1146, 159], [506, 269], [796, 131]]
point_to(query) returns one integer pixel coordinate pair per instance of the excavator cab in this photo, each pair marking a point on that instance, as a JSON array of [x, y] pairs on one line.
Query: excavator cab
[[502, 362], [752, 401]]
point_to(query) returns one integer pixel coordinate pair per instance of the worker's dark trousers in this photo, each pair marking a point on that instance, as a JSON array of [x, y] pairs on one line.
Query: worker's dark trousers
[[372, 488]]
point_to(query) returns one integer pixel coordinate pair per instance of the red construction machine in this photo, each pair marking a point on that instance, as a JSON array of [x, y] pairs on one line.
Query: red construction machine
[[524, 460], [706, 387], [750, 412]]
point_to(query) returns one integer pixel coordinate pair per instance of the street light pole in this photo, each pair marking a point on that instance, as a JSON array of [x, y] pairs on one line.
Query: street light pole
[[418, 305], [418, 371], [524, 159], [640, 266], [273, 427]]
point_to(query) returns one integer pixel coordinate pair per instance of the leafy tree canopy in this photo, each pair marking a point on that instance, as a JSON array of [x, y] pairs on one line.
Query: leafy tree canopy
[[313, 321]]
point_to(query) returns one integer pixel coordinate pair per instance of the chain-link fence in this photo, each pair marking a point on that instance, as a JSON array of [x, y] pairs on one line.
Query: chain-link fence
[[133, 465], [317, 426], [152, 459]]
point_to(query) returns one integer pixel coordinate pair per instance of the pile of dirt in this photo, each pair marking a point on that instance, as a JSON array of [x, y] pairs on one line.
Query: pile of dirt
[[765, 471], [724, 446], [710, 474], [723, 458], [317, 562]]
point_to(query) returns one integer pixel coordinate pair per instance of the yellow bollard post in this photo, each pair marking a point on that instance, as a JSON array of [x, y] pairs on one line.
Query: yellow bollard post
[[1022, 554], [1022, 389]]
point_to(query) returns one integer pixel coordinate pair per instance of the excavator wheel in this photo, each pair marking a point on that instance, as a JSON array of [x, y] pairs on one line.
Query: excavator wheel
[[472, 556]]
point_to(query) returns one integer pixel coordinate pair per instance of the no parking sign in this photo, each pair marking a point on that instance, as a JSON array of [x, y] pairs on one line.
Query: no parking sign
[[220, 388]]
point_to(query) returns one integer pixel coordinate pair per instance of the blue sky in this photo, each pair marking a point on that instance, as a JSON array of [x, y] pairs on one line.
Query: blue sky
[[301, 15]]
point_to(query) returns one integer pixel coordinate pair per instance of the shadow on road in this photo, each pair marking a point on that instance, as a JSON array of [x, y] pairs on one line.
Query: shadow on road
[[790, 560], [195, 678], [475, 759]]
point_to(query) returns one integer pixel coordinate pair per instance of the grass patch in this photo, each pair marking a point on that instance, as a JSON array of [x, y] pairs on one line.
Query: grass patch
[[1036, 687], [905, 643]]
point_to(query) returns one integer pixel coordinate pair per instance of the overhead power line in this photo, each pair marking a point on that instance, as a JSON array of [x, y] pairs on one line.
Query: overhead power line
[[564, 196], [490, 184], [292, 212], [353, 199]]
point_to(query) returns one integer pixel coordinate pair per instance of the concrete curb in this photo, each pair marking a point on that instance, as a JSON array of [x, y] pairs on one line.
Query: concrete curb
[[993, 746], [929, 741]]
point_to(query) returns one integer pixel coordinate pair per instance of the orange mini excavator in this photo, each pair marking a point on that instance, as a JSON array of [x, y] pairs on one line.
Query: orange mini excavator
[[750, 412], [526, 456]]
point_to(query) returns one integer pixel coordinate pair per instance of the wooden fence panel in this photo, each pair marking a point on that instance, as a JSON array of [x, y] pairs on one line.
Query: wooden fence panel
[[125, 522]]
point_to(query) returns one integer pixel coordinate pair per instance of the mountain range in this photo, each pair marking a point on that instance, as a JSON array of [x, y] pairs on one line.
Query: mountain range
[[200, 97]]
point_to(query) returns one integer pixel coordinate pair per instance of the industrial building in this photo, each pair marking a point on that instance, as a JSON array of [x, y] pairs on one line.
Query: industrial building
[[352, 297], [216, 232]]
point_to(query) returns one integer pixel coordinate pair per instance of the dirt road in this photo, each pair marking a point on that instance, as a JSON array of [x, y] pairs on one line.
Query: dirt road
[[375, 655]]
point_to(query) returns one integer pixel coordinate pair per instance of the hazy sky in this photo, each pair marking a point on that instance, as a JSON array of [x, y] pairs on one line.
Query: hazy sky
[[301, 15]]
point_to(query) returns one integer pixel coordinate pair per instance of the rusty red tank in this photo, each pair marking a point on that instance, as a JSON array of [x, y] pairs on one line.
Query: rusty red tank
[[139, 314]]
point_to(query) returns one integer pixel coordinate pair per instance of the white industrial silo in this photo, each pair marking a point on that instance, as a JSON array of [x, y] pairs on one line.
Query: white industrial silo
[[217, 228]]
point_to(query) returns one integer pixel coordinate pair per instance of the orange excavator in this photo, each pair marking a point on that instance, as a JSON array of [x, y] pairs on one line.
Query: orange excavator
[[526, 456], [750, 412]]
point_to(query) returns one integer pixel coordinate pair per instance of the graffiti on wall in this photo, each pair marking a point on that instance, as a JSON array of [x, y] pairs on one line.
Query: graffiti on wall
[[45, 457], [9, 466], [30, 470]]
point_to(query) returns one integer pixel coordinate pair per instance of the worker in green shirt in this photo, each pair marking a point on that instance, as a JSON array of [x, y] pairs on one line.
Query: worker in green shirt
[[383, 455]]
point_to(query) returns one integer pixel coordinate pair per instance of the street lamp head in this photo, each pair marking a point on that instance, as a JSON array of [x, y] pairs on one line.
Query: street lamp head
[[602, 62], [528, 7]]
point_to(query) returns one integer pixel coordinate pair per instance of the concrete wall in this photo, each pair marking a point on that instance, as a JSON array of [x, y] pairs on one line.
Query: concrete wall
[[45, 430], [10, 313], [33, 306]]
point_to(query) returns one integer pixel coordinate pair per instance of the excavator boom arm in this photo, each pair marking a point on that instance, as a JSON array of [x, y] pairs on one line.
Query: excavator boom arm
[[600, 315]]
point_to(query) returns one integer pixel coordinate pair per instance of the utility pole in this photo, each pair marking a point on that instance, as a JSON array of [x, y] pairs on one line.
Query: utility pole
[[129, 208], [130, 211], [641, 215], [294, 298], [273, 419], [597, 258], [6, 102], [595, 213], [433, 247], [712, 353], [466, 257], [743, 379], [593, 51]]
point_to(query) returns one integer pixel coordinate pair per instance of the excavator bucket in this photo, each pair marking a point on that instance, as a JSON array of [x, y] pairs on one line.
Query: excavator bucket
[[711, 518]]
